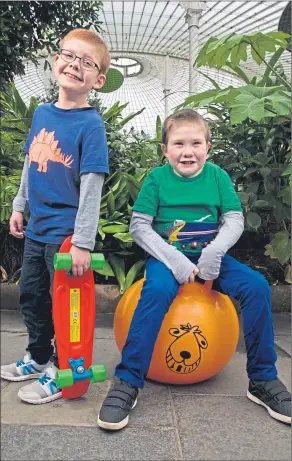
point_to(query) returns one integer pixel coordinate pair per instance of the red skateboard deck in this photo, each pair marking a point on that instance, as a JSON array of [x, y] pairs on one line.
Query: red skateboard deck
[[74, 320]]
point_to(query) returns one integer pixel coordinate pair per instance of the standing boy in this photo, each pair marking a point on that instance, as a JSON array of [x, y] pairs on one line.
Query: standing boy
[[62, 179], [196, 200]]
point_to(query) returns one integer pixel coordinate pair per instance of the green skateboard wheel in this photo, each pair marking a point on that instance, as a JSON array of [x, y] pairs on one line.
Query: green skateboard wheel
[[97, 261], [63, 261], [64, 378], [98, 373]]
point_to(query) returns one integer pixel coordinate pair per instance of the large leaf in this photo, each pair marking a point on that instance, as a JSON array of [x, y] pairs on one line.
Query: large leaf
[[116, 189], [253, 219], [258, 102], [234, 47], [114, 228], [212, 97], [132, 274], [158, 128], [286, 195], [20, 106], [282, 105], [106, 270], [247, 106], [33, 104], [250, 171], [129, 117], [133, 186], [111, 203], [243, 196], [262, 204], [114, 111], [118, 265], [269, 183], [124, 237], [265, 171], [280, 247], [116, 215], [238, 53]]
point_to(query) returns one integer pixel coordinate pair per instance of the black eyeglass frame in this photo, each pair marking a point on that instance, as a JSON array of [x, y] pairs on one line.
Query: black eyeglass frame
[[81, 60]]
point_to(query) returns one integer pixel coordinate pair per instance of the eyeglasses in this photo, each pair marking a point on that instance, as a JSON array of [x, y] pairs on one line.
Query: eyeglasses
[[86, 63]]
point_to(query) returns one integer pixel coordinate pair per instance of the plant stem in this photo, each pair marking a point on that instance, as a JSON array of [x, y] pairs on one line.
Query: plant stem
[[271, 68]]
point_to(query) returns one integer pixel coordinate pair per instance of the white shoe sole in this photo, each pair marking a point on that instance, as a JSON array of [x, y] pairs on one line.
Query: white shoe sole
[[21, 377], [115, 426], [274, 414], [39, 402]]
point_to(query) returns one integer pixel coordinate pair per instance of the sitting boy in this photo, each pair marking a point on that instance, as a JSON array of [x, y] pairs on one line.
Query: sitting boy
[[196, 200]]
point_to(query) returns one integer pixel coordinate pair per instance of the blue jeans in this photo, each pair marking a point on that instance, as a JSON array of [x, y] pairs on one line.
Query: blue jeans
[[35, 298], [159, 290]]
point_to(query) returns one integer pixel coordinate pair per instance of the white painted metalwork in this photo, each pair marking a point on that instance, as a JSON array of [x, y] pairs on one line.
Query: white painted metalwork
[[155, 34]]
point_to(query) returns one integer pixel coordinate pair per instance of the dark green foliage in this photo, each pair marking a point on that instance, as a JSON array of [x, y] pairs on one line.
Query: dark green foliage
[[27, 27], [251, 135]]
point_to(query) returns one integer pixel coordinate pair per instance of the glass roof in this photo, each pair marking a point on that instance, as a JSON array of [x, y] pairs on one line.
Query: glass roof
[[148, 31]]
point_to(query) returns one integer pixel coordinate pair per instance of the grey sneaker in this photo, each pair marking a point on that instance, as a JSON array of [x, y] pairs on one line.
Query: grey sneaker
[[22, 370], [120, 400], [43, 390], [272, 395]]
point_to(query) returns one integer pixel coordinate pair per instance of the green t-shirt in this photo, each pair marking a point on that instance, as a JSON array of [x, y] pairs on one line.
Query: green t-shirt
[[192, 206]]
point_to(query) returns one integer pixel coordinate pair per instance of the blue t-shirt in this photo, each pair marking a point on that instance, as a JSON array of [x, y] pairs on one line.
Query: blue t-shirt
[[61, 146]]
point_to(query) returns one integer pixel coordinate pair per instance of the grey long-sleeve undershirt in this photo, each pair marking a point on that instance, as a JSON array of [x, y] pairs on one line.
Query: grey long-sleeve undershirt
[[230, 229], [86, 222]]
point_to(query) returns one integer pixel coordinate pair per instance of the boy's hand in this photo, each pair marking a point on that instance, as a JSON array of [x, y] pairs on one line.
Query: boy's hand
[[191, 278], [16, 224], [209, 263], [80, 260]]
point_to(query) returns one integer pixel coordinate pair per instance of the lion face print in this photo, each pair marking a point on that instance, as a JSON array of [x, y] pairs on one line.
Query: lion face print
[[184, 353]]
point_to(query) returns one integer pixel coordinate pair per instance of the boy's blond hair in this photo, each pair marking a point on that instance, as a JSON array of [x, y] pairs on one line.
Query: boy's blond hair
[[183, 115], [91, 37]]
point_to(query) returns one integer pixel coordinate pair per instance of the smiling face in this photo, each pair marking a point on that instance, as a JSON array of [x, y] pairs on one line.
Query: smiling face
[[71, 76], [187, 147]]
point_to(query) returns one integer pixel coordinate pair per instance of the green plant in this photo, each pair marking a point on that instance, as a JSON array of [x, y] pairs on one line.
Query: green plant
[[251, 134], [124, 260], [128, 149]]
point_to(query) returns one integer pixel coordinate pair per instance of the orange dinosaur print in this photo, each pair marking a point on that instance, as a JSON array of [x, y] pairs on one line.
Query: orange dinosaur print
[[44, 148]]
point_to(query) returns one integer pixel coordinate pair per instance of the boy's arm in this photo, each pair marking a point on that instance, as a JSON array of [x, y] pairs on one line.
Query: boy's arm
[[20, 203], [86, 222], [143, 234], [231, 228]]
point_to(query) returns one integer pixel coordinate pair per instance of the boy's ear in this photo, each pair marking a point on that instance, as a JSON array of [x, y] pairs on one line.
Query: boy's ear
[[100, 81], [56, 58], [164, 149], [209, 147]]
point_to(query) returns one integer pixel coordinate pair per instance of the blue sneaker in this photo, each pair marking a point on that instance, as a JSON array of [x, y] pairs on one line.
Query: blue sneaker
[[24, 369], [44, 390]]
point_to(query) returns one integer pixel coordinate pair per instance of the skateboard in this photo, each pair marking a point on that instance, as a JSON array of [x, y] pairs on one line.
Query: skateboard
[[74, 320]]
